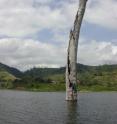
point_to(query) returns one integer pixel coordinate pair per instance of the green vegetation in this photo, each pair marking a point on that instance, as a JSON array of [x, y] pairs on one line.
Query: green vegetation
[[6, 79], [96, 88], [47, 87], [92, 78]]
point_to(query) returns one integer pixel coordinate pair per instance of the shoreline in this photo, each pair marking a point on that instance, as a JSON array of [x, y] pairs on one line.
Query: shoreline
[[81, 91]]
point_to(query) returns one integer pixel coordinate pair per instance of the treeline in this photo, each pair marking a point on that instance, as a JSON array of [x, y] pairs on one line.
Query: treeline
[[30, 82], [88, 76]]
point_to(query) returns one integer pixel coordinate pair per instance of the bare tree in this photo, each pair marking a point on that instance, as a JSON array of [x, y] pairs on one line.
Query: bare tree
[[71, 74]]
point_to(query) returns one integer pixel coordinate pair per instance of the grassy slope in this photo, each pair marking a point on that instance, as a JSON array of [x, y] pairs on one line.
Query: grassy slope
[[5, 76], [6, 79], [11, 70]]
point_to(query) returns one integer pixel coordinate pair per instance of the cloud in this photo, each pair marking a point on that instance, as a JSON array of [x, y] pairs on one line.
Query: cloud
[[97, 52], [103, 13], [19, 18], [25, 54]]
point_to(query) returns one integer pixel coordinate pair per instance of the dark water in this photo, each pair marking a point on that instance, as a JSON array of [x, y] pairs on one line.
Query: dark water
[[51, 108]]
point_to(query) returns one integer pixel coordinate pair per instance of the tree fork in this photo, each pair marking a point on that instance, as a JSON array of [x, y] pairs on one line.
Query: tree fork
[[71, 73]]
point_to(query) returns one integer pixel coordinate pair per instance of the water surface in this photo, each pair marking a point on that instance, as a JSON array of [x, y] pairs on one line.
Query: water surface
[[19, 107]]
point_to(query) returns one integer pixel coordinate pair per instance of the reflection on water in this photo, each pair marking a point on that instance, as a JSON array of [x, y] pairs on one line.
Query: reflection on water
[[72, 113]]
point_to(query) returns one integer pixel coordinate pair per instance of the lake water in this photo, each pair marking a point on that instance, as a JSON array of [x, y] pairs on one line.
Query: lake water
[[19, 107]]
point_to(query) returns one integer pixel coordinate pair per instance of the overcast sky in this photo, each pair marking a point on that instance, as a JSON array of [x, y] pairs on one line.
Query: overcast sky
[[34, 33]]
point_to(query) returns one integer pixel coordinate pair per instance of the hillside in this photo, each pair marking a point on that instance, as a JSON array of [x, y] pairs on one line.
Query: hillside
[[88, 75], [8, 75], [81, 69], [11, 70], [6, 79], [5, 76], [104, 77]]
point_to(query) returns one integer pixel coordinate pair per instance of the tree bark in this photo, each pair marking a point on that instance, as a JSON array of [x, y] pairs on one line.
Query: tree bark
[[71, 74]]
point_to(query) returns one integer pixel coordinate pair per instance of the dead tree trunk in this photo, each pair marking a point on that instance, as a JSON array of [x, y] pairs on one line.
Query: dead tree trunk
[[71, 74]]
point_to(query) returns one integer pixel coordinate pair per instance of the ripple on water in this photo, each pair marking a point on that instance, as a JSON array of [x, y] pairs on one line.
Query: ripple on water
[[51, 108]]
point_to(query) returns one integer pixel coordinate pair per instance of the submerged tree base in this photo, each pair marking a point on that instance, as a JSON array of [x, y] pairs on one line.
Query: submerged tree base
[[71, 94]]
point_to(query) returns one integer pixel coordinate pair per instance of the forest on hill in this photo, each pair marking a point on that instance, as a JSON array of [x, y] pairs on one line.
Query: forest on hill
[[94, 78]]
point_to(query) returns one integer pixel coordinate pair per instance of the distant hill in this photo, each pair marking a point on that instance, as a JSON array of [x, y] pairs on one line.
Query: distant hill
[[6, 76], [43, 72], [103, 75], [46, 72], [88, 75], [11, 70]]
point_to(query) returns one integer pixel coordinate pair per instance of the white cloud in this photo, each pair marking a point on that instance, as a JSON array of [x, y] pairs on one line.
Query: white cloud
[[25, 54], [103, 13], [20, 18], [97, 52]]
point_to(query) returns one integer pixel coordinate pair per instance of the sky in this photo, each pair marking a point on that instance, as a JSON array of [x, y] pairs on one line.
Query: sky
[[35, 33]]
